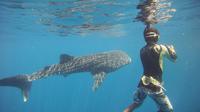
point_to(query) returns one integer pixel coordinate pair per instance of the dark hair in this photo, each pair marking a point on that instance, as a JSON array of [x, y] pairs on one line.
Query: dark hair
[[153, 39]]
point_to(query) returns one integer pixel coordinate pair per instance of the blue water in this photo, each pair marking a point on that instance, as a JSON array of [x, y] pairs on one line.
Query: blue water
[[34, 34]]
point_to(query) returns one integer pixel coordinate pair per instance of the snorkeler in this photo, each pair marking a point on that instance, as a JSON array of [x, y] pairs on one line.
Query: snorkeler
[[151, 81]]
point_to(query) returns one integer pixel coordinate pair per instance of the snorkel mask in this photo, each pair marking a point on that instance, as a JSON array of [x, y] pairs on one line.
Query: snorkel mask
[[151, 35]]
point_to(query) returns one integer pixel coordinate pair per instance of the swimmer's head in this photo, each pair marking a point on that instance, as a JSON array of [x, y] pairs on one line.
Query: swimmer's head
[[151, 35]]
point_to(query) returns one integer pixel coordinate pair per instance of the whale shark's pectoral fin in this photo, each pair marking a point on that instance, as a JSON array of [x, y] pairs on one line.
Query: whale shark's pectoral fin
[[98, 79]]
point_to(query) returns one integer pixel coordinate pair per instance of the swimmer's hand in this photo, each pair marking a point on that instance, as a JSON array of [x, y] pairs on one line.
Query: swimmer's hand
[[171, 51]]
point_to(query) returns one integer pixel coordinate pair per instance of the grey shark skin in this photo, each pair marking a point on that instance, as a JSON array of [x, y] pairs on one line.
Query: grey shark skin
[[99, 65]]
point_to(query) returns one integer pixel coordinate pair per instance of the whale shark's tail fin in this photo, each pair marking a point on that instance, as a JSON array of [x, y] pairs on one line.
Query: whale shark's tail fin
[[19, 81]]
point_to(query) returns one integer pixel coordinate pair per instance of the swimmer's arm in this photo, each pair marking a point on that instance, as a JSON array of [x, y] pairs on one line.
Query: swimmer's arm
[[169, 52]]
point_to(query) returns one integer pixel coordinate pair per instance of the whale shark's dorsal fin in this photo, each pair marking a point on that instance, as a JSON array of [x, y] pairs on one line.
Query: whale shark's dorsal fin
[[98, 79], [64, 58]]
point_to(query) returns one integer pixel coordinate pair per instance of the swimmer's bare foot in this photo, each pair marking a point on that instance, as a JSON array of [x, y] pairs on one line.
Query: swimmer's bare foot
[[127, 110], [132, 107]]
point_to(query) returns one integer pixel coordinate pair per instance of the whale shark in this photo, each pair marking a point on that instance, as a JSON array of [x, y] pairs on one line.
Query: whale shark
[[99, 65]]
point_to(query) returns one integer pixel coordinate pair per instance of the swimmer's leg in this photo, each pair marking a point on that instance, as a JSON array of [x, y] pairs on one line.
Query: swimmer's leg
[[162, 102], [138, 100]]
